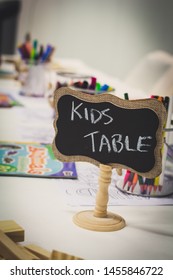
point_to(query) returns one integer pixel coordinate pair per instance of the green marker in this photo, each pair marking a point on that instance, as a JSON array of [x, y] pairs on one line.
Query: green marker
[[98, 86], [126, 96]]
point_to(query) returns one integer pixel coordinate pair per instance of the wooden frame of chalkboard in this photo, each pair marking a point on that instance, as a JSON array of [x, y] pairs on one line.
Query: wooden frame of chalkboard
[[104, 129]]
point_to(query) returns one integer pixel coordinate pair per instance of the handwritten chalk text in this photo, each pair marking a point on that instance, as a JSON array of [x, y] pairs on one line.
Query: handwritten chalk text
[[92, 115], [117, 143], [100, 142]]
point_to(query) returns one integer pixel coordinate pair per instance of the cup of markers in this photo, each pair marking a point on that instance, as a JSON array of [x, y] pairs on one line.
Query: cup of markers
[[33, 53], [132, 183], [37, 58], [135, 184]]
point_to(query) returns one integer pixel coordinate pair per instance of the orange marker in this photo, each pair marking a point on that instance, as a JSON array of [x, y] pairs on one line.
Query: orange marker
[[135, 179]]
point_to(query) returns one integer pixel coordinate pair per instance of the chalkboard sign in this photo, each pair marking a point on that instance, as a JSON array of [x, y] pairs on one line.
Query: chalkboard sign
[[109, 130]]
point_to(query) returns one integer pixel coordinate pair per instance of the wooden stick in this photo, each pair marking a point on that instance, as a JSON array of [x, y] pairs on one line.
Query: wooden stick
[[10, 250], [12, 230], [56, 255], [30, 254], [39, 252], [100, 219], [102, 193]]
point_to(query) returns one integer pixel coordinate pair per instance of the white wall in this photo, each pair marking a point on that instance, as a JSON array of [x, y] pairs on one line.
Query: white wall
[[110, 35]]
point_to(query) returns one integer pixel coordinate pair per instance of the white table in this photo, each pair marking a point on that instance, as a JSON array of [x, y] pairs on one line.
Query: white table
[[39, 207]]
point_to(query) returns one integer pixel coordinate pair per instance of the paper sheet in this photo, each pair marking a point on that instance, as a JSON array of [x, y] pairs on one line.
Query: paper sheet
[[82, 192]]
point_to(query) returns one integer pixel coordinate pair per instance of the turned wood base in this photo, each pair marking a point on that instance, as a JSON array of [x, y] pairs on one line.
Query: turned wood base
[[87, 220]]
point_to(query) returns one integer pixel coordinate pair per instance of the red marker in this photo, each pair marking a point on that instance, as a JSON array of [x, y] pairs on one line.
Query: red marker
[[126, 177], [93, 83]]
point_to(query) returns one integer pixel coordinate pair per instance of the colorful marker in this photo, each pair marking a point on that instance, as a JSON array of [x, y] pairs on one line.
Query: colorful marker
[[166, 102], [104, 87], [130, 181], [126, 177], [98, 86], [135, 179], [84, 85], [149, 183], [126, 96], [93, 83], [28, 43], [46, 53], [156, 183], [141, 184]]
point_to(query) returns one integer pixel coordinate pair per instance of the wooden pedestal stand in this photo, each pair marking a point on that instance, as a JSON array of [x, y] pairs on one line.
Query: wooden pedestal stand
[[100, 219]]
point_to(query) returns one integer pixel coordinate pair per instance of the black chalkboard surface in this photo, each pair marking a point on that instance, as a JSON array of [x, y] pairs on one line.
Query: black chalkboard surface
[[109, 130]]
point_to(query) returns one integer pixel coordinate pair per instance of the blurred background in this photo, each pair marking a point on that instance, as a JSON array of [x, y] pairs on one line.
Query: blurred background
[[110, 35]]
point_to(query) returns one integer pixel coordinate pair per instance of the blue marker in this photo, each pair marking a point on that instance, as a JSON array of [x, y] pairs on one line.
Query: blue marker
[[46, 53], [104, 87]]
